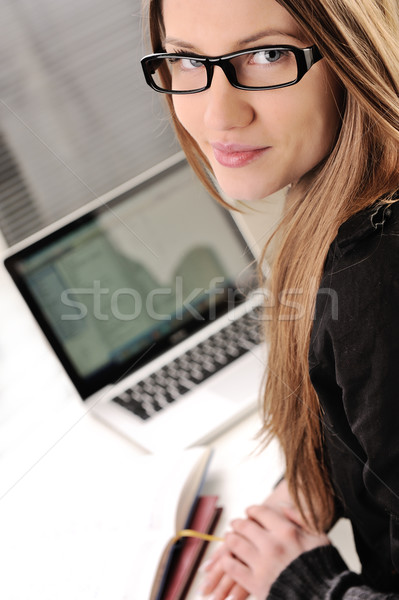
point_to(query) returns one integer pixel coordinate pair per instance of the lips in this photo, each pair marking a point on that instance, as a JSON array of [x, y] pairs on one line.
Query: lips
[[237, 155]]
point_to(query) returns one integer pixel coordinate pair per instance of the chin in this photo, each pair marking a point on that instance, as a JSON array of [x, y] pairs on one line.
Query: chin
[[247, 187], [247, 193]]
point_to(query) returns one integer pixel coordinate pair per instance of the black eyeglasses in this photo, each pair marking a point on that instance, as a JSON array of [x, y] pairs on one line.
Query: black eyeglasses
[[263, 68]]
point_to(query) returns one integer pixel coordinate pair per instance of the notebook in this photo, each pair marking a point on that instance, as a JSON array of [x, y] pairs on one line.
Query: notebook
[[148, 297]]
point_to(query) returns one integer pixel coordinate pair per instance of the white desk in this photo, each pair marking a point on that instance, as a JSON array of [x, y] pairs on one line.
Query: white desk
[[67, 481]]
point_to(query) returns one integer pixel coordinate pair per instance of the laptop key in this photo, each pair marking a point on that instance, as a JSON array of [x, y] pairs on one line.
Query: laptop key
[[132, 405]]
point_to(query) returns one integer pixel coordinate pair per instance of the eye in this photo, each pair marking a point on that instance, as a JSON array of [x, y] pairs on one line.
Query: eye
[[185, 63], [266, 57], [190, 63]]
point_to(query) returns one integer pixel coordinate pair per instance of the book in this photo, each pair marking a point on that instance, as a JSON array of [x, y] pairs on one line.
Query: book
[[188, 553], [175, 488]]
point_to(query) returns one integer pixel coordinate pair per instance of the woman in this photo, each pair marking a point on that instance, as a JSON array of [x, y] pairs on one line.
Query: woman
[[266, 94]]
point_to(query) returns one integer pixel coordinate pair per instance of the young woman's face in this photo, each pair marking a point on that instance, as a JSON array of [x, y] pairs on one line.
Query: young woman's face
[[257, 142]]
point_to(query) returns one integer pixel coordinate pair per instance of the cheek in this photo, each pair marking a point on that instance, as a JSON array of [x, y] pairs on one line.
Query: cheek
[[327, 124], [327, 110], [188, 114], [312, 119]]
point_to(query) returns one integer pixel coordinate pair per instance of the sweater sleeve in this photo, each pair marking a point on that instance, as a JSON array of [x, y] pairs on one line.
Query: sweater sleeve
[[321, 574]]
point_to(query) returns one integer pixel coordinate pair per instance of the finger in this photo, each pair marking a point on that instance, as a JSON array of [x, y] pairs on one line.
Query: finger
[[239, 572], [212, 561], [237, 592], [285, 531], [213, 570], [282, 529], [223, 589], [246, 527], [250, 531], [212, 579], [240, 547], [269, 517]]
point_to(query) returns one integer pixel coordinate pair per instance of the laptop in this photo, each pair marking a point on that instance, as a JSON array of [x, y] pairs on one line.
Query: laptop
[[148, 297]]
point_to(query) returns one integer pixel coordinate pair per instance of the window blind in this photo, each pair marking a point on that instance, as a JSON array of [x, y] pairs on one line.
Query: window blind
[[76, 117]]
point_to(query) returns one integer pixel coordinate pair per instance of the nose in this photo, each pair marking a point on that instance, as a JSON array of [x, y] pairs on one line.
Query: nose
[[226, 106]]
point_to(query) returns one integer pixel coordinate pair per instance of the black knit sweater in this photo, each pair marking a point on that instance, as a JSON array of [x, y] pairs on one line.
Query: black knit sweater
[[354, 368]]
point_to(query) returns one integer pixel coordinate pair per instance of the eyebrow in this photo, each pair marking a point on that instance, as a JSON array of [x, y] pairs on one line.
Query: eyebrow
[[243, 42], [268, 33]]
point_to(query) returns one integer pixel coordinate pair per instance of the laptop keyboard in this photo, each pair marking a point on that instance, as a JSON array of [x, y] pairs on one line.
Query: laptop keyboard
[[157, 391]]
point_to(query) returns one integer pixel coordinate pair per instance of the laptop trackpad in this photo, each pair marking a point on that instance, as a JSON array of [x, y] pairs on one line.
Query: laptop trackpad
[[241, 381]]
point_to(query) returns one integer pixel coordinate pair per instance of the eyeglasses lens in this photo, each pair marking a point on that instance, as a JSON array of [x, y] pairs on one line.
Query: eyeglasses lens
[[265, 68], [179, 74]]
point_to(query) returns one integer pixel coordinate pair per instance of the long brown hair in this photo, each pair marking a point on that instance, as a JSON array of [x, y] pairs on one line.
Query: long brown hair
[[359, 41]]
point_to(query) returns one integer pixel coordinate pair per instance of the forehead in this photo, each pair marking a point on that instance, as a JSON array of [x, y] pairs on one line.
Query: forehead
[[219, 26]]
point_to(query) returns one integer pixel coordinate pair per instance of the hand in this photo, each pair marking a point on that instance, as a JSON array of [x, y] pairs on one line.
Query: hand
[[262, 546], [218, 581]]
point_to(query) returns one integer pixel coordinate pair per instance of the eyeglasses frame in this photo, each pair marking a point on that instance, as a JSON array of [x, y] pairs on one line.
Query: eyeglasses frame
[[305, 59]]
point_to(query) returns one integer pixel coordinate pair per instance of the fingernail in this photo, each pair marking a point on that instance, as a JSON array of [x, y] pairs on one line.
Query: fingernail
[[205, 565]]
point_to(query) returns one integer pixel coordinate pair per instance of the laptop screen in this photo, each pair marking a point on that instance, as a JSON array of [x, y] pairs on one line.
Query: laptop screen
[[121, 284]]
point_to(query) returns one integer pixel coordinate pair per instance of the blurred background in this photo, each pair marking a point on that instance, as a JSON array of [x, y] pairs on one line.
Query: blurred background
[[76, 117]]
